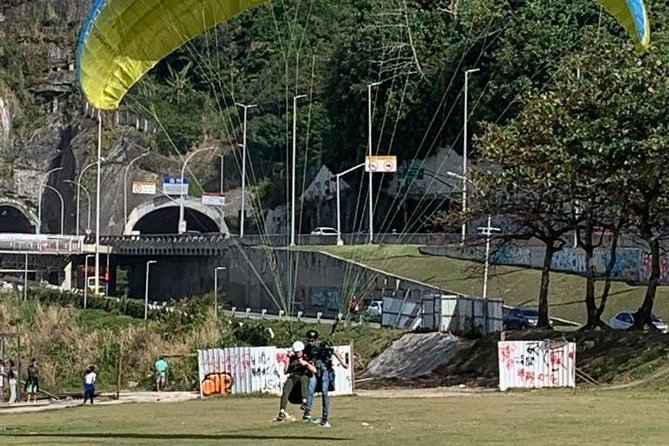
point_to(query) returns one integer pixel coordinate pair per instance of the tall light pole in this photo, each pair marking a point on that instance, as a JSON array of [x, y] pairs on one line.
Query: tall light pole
[[97, 206], [62, 208], [125, 187], [369, 160], [464, 152], [88, 197], [216, 270], [182, 222], [81, 174], [241, 218], [222, 157], [88, 256], [340, 242], [146, 288], [45, 177], [292, 206]]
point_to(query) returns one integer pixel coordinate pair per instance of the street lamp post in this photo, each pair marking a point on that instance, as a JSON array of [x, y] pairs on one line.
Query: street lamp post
[[241, 219], [39, 198], [182, 223], [369, 160], [88, 197], [81, 174], [464, 152], [88, 256], [125, 187], [62, 208], [216, 270], [292, 206], [146, 288], [340, 242], [97, 206]]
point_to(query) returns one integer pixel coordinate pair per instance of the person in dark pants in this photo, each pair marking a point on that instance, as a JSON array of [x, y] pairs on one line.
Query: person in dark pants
[[298, 370], [32, 381], [320, 354], [89, 384]]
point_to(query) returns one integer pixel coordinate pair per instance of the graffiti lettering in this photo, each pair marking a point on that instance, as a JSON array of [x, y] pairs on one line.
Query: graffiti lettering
[[217, 384]]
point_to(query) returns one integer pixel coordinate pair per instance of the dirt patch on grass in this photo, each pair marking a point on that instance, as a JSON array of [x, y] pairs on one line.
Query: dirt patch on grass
[[415, 355]]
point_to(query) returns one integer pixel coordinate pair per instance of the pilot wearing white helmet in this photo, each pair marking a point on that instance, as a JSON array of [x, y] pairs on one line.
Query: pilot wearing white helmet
[[298, 370]]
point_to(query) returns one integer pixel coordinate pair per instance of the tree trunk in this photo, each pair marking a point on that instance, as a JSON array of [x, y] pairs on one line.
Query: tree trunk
[[642, 316], [607, 278], [543, 292], [589, 248]]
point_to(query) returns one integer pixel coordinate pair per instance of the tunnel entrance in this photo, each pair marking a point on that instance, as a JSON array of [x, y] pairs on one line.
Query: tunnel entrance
[[166, 221], [13, 220]]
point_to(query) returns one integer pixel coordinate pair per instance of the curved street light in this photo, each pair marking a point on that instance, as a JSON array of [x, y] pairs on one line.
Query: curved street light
[[125, 187], [181, 201], [45, 177], [88, 196], [62, 207]]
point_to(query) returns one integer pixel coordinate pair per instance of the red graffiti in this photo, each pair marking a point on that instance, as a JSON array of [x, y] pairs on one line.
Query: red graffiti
[[556, 358], [526, 375], [507, 351], [282, 359]]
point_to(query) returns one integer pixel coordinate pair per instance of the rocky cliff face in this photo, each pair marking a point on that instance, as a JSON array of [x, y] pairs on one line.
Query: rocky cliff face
[[44, 121]]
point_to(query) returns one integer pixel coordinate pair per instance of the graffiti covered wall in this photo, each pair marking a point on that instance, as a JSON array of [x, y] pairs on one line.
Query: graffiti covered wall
[[632, 264], [247, 370], [536, 364]]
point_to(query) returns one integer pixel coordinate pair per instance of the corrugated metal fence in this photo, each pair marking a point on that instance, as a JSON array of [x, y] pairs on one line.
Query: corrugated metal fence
[[536, 364], [247, 370]]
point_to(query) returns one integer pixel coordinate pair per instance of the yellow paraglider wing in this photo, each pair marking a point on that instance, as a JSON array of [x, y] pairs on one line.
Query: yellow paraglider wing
[[631, 14], [123, 39]]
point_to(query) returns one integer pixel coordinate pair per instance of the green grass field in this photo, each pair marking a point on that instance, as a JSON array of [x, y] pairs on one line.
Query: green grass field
[[514, 285], [523, 418]]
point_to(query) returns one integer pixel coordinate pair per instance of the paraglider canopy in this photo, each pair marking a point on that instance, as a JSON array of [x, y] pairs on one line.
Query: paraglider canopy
[[631, 14], [123, 39]]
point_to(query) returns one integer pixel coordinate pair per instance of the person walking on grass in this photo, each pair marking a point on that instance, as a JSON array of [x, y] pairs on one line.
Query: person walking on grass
[[161, 373], [298, 370], [32, 381], [89, 384]]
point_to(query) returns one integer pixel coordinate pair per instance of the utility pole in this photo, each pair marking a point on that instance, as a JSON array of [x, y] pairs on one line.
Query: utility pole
[[244, 147]]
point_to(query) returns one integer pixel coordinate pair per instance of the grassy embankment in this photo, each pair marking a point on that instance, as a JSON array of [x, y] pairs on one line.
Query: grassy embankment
[[512, 284]]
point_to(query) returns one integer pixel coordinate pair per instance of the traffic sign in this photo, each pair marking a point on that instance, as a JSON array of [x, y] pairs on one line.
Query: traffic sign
[[172, 185], [213, 199], [143, 188], [381, 164]]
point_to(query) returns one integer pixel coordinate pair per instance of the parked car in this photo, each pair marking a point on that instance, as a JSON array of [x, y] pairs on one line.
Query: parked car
[[324, 230], [375, 310], [521, 318], [625, 319]]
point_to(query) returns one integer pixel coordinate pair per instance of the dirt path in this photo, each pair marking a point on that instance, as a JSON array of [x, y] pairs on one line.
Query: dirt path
[[124, 397]]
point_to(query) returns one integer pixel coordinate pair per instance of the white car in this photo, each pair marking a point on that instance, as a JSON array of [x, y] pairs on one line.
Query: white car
[[625, 319], [324, 230], [375, 310]]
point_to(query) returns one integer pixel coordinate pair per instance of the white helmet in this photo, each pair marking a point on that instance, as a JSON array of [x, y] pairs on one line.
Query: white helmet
[[298, 346]]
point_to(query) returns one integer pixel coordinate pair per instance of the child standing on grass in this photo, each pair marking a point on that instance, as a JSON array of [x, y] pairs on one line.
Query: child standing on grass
[[89, 384]]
